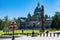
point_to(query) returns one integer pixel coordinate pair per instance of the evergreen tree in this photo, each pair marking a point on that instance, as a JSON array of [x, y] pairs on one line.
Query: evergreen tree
[[1, 24], [56, 21]]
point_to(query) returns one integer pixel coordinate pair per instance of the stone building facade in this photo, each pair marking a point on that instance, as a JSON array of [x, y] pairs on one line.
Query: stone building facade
[[36, 18]]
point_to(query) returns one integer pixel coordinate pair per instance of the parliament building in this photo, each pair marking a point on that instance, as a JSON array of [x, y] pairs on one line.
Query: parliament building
[[35, 19]]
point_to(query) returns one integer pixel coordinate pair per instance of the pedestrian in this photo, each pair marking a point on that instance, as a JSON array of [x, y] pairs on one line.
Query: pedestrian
[[33, 33], [22, 31], [47, 33], [27, 34]]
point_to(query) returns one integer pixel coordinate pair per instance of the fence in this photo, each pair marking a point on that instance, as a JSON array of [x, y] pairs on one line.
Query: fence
[[45, 34]]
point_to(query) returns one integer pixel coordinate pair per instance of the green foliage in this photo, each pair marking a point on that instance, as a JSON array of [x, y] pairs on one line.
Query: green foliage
[[56, 21], [16, 20], [5, 22], [0, 24]]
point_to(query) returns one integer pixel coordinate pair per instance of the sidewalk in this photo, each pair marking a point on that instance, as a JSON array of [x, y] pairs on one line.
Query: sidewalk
[[37, 38], [24, 37]]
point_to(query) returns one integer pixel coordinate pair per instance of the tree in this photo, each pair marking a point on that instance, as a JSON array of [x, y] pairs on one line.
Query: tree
[[1, 24], [17, 21], [19, 24], [56, 21], [6, 23]]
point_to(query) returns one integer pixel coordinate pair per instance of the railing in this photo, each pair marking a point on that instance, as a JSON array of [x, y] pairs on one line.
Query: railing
[[41, 34]]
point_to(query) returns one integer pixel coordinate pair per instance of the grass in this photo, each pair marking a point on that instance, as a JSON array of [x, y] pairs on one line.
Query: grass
[[1, 32], [19, 32], [53, 30]]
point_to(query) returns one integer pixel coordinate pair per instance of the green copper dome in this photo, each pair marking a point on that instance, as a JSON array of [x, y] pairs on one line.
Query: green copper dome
[[38, 12], [37, 9]]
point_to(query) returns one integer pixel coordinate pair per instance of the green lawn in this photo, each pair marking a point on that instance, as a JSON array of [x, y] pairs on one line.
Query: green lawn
[[18, 32]]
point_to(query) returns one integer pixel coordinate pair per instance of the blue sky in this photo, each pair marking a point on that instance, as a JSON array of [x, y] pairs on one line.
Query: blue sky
[[20, 8]]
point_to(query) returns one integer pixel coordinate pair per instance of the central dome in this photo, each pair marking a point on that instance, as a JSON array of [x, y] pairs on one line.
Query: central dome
[[37, 9]]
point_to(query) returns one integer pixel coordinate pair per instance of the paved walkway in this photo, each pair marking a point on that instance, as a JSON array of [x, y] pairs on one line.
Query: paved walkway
[[34, 38], [38, 38]]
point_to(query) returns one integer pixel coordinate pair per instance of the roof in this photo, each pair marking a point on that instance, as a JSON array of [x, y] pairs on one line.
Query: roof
[[49, 19]]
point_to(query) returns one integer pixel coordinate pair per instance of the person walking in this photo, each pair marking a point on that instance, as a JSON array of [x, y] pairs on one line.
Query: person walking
[[47, 33]]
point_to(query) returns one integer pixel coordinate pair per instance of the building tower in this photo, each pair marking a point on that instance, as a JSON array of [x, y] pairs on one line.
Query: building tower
[[37, 12]]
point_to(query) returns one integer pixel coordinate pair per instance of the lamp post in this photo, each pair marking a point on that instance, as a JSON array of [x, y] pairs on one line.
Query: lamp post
[[12, 26], [13, 23], [13, 31]]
